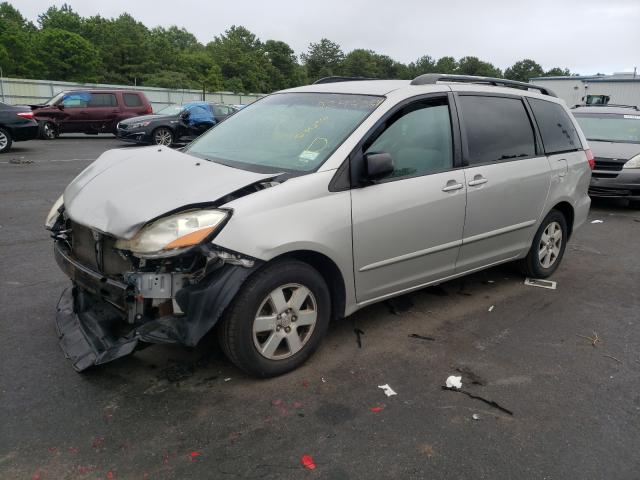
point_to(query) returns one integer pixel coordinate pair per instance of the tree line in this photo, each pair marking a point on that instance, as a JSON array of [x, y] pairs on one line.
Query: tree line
[[65, 46]]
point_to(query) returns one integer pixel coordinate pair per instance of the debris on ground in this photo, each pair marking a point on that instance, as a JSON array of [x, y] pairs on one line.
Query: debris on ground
[[475, 416], [454, 382], [536, 282], [227, 379], [489, 282], [613, 358], [477, 397], [388, 391], [20, 161], [359, 334], [597, 221], [307, 462], [595, 339], [400, 305], [491, 308], [421, 337], [376, 409]]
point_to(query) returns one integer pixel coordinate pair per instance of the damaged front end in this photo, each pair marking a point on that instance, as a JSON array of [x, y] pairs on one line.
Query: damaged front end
[[119, 301]]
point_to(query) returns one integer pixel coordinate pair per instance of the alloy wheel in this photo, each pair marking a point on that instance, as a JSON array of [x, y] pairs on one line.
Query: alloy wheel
[[163, 136], [4, 140], [285, 321], [550, 245]]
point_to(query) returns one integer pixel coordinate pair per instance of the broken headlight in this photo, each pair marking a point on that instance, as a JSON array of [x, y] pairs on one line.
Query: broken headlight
[[53, 213], [175, 233]]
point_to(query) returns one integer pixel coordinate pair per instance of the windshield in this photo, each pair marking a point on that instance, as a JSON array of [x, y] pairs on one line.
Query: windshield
[[610, 127], [293, 132], [53, 100], [170, 110]]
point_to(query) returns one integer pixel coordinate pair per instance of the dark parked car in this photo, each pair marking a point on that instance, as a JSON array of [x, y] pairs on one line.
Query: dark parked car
[[613, 132], [174, 124], [89, 111], [16, 124]]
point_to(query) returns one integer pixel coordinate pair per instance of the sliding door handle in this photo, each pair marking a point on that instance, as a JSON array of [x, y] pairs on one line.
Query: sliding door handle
[[477, 180]]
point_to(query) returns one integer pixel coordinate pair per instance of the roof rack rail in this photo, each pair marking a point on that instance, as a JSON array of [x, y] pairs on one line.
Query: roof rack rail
[[432, 78], [335, 79], [615, 105]]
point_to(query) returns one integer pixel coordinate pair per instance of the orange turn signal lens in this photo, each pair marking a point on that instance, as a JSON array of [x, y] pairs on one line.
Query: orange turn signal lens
[[190, 239]]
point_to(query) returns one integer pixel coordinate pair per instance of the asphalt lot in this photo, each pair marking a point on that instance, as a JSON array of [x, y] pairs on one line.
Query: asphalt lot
[[169, 412]]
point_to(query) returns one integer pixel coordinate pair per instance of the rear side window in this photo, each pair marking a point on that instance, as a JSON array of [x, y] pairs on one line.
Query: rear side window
[[132, 100], [103, 100], [418, 139], [556, 128], [496, 129]]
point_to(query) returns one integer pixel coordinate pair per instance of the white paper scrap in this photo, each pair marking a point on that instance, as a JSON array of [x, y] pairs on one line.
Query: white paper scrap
[[597, 221], [388, 391], [454, 382]]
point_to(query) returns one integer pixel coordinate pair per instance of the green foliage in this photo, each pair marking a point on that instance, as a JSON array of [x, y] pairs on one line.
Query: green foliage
[[557, 72], [67, 56], [524, 70], [323, 59], [67, 46], [475, 66]]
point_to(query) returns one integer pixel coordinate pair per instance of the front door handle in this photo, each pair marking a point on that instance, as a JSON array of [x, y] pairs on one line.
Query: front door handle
[[477, 180], [452, 185]]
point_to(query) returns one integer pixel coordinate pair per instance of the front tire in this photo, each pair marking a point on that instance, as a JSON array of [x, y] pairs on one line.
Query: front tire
[[162, 136], [277, 320], [5, 140], [548, 247]]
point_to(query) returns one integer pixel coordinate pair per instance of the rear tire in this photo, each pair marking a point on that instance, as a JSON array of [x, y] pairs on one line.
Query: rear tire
[[5, 140], [162, 136], [277, 320], [548, 247], [48, 131]]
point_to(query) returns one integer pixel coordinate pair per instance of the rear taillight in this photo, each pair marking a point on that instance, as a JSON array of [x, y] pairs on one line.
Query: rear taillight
[[28, 115], [149, 110], [590, 158]]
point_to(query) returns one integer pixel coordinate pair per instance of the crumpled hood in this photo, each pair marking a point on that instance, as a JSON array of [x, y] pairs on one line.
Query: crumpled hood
[[126, 188], [621, 151]]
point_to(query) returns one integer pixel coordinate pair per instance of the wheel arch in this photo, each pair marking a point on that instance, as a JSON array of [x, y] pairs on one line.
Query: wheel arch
[[330, 273], [568, 212]]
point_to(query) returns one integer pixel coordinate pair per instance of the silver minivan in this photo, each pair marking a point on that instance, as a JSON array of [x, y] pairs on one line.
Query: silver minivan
[[309, 205]]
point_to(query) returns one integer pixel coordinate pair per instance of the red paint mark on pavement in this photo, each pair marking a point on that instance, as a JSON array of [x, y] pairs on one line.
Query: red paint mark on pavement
[[377, 409], [110, 475], [307, 462], [297, 404], [194, 455], [305, 384], [74, 450], [53, 450]]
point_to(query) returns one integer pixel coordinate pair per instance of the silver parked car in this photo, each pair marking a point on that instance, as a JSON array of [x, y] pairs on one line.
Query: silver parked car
[[309, 205], [613, 132]]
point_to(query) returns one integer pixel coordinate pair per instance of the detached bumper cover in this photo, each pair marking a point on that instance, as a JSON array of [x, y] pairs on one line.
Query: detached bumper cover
[[93, 330]]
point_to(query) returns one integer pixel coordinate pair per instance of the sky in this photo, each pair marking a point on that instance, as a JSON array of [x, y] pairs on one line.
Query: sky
[[586, 36]]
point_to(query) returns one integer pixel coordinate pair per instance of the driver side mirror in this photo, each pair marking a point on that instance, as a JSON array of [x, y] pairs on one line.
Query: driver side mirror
[[60, 106], [378, 165], [184, 115]]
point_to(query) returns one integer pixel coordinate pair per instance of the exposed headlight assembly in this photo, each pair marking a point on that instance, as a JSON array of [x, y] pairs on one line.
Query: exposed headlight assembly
[[173, 234], [633, 163], [50, 221]]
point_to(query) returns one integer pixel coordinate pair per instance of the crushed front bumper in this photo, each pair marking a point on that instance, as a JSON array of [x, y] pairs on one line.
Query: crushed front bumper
[[98, 319]]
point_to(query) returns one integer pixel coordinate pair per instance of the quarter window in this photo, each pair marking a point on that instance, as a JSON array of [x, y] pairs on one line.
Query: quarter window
[[418, 138], [556, 128], [497, 129], [132, 100]]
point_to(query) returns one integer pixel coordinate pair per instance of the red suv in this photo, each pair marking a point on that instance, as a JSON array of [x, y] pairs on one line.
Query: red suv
[[89, 111]]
